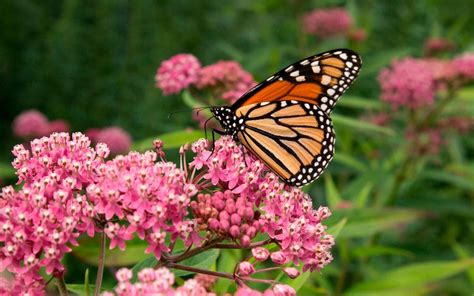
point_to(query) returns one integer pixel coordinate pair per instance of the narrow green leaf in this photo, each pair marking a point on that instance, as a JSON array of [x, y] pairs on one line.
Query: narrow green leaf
[[6, 171], [149, 262], [415, 275], [86, 283], [366, 222], [80, 290], [360, 103], [450, 178], [332, 194], [360, 125], [371, 251], [89, 248], [360, 199], [203, 260], [336, 229], [463, 253], [226, 263], [350, 161], [170, 140]]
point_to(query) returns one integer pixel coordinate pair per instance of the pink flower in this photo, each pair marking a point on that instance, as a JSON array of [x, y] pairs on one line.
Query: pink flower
[[464, 65], [246, 268], [291, 272], [30, 124], [116, 138], [155, 282], [409, 82], [177, 73], [283, 290], [327, 22], [260, 254], [435, 46], [226, 78], [57, 126], [357, 35], [246, 291]]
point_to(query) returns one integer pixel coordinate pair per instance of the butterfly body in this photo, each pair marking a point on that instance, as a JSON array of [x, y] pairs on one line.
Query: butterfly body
[[285, 120]]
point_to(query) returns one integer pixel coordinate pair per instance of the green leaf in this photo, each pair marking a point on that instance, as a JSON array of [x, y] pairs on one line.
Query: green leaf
[[360, 199], [203, 260], [86, 283], [89, 248], [360, 103], [360, 125], [6, 171], [371, 251], [350, 161], [170, 140], [226, 263], [332, 194], [458, 181], [336, 229], [81, 290], [411, 276], [366, 222], [149, 262]]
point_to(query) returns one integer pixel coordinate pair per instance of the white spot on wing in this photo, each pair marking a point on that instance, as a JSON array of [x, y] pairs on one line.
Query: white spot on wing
[[325, 79]]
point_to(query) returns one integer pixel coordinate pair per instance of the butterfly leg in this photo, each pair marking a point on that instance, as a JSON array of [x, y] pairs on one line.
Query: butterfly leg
[[214, 132]]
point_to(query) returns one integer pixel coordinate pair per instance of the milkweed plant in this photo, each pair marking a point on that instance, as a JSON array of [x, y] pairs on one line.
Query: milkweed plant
[[218, 199]]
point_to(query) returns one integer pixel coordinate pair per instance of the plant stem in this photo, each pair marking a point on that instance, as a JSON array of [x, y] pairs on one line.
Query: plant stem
[[198, 270], [62, 286], [100, 270], [234, 246]]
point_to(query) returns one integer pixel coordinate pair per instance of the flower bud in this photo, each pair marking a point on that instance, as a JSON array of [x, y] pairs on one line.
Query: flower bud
[[234, 231], [291, 272], [246, 268], [283, 290], [279, 257], [235, 219], [245, 241], [260, 254]]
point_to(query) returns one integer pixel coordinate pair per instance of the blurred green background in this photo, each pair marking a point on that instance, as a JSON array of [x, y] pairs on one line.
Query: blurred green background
[[402, 231]]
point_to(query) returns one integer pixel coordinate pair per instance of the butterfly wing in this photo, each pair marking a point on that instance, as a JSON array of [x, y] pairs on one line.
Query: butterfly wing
[[295, 139], [320, 80]]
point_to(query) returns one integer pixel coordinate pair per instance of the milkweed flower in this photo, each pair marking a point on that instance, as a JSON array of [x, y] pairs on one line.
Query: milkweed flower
[[328, 22], [227, 78], [30, 123], [155, 282], [435, 46], [177, 73], [408, 82], [116, 138], [464, 65], [68, 189]]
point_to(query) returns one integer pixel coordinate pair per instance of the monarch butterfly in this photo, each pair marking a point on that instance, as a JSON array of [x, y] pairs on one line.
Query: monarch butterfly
[[285, 119]]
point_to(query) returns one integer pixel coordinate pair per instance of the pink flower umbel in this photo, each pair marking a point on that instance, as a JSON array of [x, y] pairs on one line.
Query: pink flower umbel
[[177, 73], [225, 195], [464, 65], [226, 78], [326, 23], [408, 82], [117, 139], [30, 123], [155, 282]]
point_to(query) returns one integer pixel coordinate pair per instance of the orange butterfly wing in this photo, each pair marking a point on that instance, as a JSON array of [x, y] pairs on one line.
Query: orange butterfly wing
[[319, 79]]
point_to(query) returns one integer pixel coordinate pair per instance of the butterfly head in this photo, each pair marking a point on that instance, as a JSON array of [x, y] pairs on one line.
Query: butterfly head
[[227, 119]]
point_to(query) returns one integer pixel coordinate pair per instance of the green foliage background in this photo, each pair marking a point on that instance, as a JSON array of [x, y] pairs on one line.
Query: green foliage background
[[93, 64]]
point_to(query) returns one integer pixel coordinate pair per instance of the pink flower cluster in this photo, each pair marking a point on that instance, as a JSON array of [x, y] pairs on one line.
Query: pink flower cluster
[[286, 215], [69, 189], [155, 282], [32, 123], [177, 73], [434, 46], [464, 65], [40, 222], [117, 139], [276, 290], [151, 196], [289, 218], [409, 82], [228, 78], [328, 22]]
